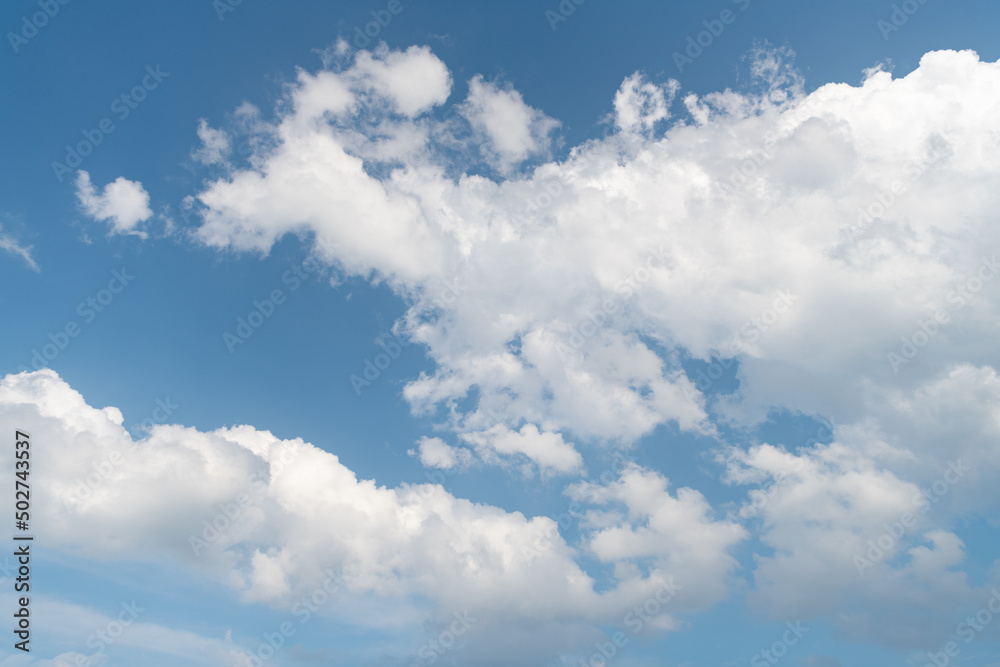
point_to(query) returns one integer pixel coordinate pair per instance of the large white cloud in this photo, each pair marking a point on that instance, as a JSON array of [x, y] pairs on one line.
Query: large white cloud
[[556, 311], [271, 518], [839, 244]]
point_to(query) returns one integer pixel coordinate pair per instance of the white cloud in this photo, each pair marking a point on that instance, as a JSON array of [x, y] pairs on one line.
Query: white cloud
[[436, 453], [123, 202], [285, 513], [511, 131], [640, 104], [215, 144], [11, 245], [414, 80], [853, 543], [566, 298], [548, 451], [674, 243], [676, 533]]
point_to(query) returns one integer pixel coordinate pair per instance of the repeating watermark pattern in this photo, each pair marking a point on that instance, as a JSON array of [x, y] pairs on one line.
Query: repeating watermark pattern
[[391, 350], [434, 649], [566, 519], [164, 409], [899, 17], [373, 368], [113, 631], [223, 7], [759, 498], [602, 316], [263, 309], [88, 309], [926, 330], [381, 19], [922, 503], [967, 631], [635, 620], [740, 175], [230, 512], [562, 12], [750, 331], [104, 638], [84, 488], [883, 200], [37, 21], [303, 610], [122, 107], [551, 190], [779, 649], [698, 43]]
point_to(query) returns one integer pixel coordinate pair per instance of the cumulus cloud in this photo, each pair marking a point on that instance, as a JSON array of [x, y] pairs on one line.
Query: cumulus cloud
[[548, 451], [436, 453], [640, 104], [271, 518], [849, 538], [511, 131], [414, 81], [122, 202], [837, 246], [673, 533]]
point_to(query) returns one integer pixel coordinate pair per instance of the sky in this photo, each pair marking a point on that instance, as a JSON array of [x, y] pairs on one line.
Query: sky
[[396, 333]]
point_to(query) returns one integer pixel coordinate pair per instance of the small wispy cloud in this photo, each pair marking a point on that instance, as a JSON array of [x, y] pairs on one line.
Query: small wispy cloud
[[11, 245]]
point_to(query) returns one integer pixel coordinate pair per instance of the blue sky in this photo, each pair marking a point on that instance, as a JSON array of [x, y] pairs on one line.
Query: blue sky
[[497, 262]]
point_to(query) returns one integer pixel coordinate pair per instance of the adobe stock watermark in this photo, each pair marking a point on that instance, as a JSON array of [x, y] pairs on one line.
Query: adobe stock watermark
[[107, 636], [88, 309], [759, 498], [263, 309], [551, 190], [37, 21], [303, 610], [85, 488], [883, 200], [740, 176], [381, 18], [565, 520], [439, 475], [229, 512], [779, 649], [927, 329], [635, 620], [223, 7], [602, 316], [751, 331], [698, 43], [553, 187], [373, 368], [922, 502], [967, 630], [164, 409], [562, 12], [434, 648], [122, 107], [900, 15]]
